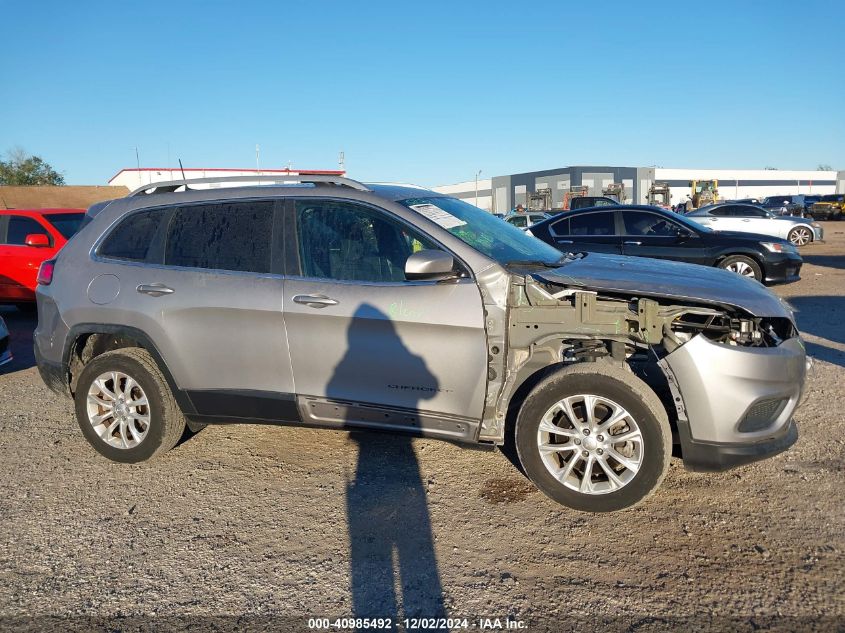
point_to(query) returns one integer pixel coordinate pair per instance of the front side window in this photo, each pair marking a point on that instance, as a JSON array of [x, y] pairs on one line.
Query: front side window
[[593, 224], [233, 236], [348, 242], [20, 227], [65, 223], [132, 238], [482, 231], [519, 220], [649, 224]]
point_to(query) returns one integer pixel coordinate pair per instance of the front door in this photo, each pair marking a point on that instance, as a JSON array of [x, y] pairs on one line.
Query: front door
[[20, 262], [362, 336], [652, 235]]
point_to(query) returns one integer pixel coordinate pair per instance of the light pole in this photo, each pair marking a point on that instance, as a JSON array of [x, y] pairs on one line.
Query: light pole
[[478, 173]]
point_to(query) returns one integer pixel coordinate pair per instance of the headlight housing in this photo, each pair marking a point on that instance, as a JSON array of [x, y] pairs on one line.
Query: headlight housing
[[779, 247]]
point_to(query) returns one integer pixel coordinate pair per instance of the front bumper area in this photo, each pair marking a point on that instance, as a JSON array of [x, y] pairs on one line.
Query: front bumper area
[[737, 402], [783, 268], [818, 233]]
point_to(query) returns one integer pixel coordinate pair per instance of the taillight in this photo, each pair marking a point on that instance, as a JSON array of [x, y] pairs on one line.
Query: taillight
[[45, 272]]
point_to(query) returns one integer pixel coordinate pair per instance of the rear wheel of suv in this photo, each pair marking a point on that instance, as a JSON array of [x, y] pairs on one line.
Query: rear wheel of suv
[[742, 265], [125, 407], [594, 437]]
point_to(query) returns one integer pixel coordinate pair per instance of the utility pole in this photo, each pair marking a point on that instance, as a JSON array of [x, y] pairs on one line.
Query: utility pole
[[257, 156], [478, 173], [138, 163], [341, 161]]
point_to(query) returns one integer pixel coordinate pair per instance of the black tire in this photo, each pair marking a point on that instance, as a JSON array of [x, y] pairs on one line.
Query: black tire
[[27, 308], [737, 260], [791, 236], [166, 420], [620, 386]]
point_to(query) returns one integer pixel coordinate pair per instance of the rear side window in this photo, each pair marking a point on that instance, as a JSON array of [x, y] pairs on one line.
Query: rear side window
[[592, 224], [132, 238], [20, 227], [224, 236]]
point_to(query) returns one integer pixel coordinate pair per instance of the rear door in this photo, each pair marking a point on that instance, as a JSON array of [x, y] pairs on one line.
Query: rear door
[[20, 262], [652, 235], [592, 231], [361, 335], [209, 292]]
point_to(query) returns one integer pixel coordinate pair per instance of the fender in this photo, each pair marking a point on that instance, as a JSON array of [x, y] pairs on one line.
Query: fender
[[82, 329]]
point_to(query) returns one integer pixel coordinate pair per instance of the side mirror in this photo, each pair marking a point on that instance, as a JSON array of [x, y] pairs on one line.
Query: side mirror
[[37, 239], [429, 265], [684, 234]]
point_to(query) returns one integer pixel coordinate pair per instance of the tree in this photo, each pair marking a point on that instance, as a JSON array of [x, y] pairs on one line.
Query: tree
[[21, 168], [824, 167]]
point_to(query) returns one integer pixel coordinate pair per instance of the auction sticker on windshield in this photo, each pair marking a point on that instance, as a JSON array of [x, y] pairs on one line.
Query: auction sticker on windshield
[[436, 214]]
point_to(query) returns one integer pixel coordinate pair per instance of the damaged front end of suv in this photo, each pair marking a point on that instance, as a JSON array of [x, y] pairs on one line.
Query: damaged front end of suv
[[722, 353]]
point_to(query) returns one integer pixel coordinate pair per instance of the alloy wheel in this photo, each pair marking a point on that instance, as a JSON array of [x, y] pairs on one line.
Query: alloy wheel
[[590, 444], [118, 410], [799, 236], [741, 268]]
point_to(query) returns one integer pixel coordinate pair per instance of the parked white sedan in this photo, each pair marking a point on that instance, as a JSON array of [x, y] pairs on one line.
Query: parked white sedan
[[750, 218]]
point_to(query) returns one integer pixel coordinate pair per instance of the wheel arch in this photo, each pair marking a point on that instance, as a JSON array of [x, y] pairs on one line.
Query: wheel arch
[[87, 341]]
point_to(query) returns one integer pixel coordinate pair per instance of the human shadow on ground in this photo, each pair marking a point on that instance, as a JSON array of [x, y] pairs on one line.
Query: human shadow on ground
[[393, 565]]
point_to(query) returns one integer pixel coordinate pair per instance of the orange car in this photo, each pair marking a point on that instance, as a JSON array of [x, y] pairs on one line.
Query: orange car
[[27, 238]]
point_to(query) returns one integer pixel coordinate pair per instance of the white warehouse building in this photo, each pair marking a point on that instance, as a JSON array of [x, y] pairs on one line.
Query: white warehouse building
[[500, 194]]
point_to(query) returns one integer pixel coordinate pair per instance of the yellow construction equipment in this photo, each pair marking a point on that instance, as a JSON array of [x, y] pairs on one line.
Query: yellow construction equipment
[[704, 192]]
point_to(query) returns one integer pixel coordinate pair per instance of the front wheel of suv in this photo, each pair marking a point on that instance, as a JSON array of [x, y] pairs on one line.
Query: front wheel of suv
[[125, 408], [594, 437]]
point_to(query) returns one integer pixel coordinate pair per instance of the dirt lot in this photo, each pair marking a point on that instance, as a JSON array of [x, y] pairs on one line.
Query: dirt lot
[[274, 525]]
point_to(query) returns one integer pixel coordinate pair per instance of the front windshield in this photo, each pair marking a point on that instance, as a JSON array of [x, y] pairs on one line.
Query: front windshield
[[483, 231]]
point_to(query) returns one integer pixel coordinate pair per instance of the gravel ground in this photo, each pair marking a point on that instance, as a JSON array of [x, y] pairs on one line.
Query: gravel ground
[[256, 527]]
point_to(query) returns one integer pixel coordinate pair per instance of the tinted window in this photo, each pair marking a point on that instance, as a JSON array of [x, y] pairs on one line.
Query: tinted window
[[66, 223], [721, 212], [226, 236], [649, 224], [132, 238], [745, 211], [519, 220], [592, 224], [561, 227], [344, 241], [20, 227]]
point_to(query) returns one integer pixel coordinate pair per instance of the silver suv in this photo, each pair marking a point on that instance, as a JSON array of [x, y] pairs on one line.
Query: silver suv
[[325, 302]]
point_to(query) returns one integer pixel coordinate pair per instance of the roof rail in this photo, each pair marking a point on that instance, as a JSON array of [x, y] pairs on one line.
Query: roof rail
[[172, 185]]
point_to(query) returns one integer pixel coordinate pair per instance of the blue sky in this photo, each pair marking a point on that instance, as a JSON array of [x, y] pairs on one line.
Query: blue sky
[[426, 92]]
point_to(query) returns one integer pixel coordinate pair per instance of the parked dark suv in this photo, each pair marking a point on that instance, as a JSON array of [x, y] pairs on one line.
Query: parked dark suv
[[331, 303]]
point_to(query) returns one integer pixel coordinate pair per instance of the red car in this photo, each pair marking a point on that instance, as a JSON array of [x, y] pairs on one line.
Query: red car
[[27, 238]]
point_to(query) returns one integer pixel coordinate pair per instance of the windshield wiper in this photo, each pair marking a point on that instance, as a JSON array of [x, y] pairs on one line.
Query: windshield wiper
[[537, 262]]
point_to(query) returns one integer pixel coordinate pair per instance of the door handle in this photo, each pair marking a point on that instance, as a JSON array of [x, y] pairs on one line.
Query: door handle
[[746, 220], [564, 241], [154, 290], [315, 301], [632, 243]]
